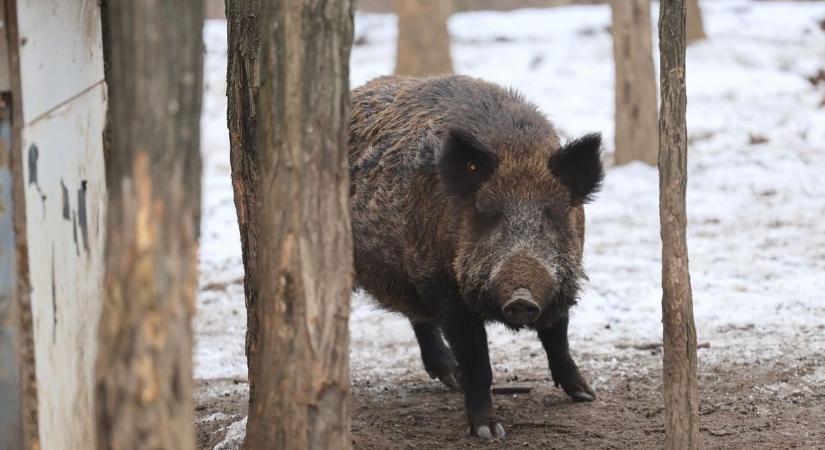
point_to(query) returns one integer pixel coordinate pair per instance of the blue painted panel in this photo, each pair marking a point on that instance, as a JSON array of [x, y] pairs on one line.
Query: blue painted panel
[[10, 392]]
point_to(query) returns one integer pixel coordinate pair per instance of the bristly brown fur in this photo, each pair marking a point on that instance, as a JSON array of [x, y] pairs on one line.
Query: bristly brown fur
[[451, 182], [466, 209]]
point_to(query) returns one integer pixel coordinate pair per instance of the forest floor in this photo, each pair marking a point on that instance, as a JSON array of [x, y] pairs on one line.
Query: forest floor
[[756, 203]]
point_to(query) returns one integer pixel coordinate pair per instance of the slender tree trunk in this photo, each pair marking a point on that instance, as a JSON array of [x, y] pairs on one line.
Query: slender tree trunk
[[242, 95], [153, 53], [423, 38], [695, 25], [679, 360], [637, 134], [288, 69]]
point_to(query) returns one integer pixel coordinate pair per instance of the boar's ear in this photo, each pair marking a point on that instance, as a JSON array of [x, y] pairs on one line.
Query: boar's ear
[[578, 166], [465, 163]]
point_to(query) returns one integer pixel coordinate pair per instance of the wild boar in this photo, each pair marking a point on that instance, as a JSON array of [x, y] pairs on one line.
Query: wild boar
[[467, 208]]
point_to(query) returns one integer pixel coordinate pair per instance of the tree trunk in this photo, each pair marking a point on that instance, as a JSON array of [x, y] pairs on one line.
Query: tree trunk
[[423, 38], [695, 26], [637, 136], [153, 53], [679, 360], [289, 69]]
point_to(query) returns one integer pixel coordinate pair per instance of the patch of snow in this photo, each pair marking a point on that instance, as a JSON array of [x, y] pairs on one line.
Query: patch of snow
[[817, 377], [756, 200], [234, 436]]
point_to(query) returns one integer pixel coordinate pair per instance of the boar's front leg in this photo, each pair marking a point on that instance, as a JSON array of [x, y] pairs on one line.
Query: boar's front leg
[[564, 370], [437, 358], [465, 333]]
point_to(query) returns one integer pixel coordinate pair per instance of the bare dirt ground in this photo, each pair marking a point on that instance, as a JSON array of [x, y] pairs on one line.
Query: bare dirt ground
[[764, 404]]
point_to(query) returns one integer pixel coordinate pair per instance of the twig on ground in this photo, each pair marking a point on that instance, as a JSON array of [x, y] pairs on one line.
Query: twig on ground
[[715, 432], [655, 345], [504, 390]]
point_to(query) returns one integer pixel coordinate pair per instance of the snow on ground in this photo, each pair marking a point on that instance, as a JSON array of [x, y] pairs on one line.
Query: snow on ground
[[756, 197]]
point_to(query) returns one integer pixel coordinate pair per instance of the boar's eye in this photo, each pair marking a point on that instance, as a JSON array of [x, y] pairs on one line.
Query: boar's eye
[[578, 166], [465, 163]]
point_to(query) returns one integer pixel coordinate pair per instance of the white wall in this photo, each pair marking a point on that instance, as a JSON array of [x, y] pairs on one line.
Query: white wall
[[64, 106]]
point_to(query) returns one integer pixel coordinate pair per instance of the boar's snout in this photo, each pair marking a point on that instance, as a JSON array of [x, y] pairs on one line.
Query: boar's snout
[[521, 309]]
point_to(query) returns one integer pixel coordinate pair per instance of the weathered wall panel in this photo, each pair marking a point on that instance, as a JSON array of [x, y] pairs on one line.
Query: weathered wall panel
[[18, 391], [11, 435], [60, 52], [64, 108], [10, 415], [5, 75], [65, 201]]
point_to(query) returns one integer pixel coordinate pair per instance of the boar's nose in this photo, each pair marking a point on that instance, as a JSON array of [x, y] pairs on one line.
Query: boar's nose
[[521, 309]]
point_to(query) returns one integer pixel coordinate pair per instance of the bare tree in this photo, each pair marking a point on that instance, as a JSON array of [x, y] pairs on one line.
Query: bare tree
[[679, 360], [288, 72], [153, 53], [636, 129], [695, 25], [423, 38]]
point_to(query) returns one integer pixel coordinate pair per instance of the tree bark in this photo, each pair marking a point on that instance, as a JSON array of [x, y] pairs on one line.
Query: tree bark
[[289, 69], [637, 134], [242, 96], [679, 359], [153, 53], [423, 38], [695, 25]]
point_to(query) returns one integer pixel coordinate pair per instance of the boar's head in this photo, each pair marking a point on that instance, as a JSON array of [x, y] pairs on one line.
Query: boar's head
[[518, 204]]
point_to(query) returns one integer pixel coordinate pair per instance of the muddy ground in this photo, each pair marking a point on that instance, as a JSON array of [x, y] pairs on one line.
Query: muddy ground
[[764, 405]]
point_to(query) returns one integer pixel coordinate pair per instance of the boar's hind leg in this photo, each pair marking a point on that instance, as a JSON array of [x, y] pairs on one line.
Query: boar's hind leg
[[438, 359], [564, 370], [465, 332]]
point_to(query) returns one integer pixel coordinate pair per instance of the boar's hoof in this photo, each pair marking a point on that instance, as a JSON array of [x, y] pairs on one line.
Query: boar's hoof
[[445, 369], [571, 380], [484, 432], [579, 390], [581, 396], [447, 376], [500, 431]]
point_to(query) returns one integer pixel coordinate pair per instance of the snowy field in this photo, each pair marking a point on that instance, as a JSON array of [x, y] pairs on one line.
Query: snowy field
[[756, 195]]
